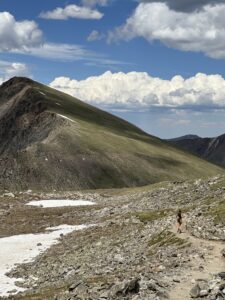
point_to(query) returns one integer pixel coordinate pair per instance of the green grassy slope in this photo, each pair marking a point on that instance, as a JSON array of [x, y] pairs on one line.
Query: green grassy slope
[[94, 150]]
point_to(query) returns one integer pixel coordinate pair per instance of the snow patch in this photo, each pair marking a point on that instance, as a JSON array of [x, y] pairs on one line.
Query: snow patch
[[25, 248], [42, 93], [59, 203], [64, 117]]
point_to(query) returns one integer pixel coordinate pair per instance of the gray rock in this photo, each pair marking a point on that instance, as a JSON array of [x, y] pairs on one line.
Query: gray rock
[[203, 293], [119, 258], [203, 285], [11, 195], [222, 275], [195, 291], [104, 295], [176, 280], [220, 296], [222, 286], [152, 286], [81, 291], [126, 287], [162, 295], [73, 286]]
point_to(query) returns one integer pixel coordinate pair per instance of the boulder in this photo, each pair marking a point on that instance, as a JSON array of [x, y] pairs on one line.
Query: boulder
[[195, 291], [222, 275], [126, 287], [11, 195], [203, 293]]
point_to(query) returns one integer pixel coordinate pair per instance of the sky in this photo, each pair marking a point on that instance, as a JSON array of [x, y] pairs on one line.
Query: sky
[[159, 64]]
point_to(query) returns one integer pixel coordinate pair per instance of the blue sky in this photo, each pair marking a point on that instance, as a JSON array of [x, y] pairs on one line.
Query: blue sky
[[159, 64]]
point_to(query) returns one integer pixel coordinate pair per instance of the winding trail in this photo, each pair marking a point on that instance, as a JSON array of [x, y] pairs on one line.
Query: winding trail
[[211, 260]]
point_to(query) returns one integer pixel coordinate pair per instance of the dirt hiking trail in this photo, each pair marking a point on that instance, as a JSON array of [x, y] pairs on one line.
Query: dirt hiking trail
[[202, 267]]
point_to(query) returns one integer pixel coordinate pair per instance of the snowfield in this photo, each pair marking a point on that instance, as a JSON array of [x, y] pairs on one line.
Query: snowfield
[[64, 117], [59, 203], [25, 248]]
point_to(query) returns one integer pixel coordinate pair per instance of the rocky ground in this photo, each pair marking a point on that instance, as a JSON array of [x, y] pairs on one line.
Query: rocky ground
[[133, 251]]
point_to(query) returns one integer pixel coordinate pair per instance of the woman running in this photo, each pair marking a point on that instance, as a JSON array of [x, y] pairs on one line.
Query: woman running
[[179, 221]]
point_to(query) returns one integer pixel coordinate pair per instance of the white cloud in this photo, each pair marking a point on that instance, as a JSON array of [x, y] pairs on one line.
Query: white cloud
[[200, 31], [24, 37], [174, 121], [63, 52], [185, 5], [11, 69], [92, 3], [71, 52], [183, 122], [140, 91], [18, 35], [95, 36], [72, 11]]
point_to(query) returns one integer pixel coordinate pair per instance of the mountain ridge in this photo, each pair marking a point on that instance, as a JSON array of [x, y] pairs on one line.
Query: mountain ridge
[[184, 137], [211, 149]]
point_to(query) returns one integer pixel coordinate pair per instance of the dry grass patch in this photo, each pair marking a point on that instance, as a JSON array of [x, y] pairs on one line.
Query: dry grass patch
[[165, 239], [152, 215]]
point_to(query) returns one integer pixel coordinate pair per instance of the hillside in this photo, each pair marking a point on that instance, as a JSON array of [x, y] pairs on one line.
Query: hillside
[[50, 140], [211, 149]]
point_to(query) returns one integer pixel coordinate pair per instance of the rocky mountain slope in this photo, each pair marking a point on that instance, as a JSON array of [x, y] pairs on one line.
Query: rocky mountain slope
[[50, 140], [212, 149]]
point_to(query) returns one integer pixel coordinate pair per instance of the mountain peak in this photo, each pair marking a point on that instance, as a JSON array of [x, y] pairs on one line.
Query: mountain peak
[[17, 81]]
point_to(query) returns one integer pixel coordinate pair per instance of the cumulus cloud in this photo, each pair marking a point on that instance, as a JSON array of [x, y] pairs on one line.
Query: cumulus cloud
[[95, 36], [200, 31], [18, 35], [136, 90], [185, 5], [72, 11], [11, 69]]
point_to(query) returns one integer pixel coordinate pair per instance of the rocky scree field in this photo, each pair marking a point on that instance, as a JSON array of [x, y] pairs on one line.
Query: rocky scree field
[[132, 251]]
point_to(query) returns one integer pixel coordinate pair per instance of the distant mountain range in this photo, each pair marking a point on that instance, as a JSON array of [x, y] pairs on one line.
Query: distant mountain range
[[185, 137], [211, 149], [52, 141]]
